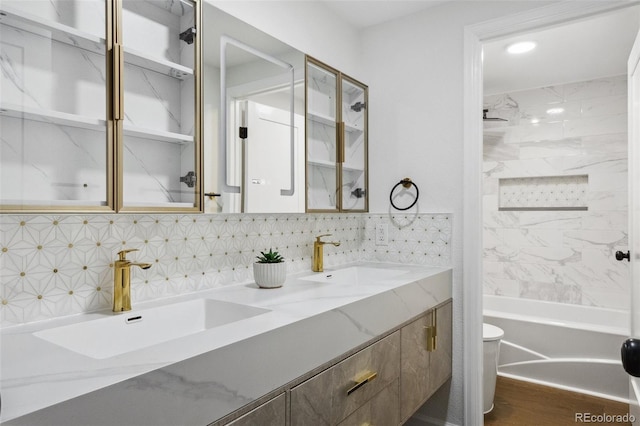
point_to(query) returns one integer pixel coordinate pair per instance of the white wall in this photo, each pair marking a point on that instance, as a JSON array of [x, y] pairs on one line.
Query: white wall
[[414, 68], [308, 26]]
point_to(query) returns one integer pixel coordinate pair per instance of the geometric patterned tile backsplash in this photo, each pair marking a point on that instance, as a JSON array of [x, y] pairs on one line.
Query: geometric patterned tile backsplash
[[57, 265]]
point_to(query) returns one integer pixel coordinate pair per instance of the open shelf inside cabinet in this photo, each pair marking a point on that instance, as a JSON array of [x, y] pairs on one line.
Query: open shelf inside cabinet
[[74, 120], [23, 21], [53, 203], [50, 116], [159, 135], [320, 118], [322, 163], [160, 65]]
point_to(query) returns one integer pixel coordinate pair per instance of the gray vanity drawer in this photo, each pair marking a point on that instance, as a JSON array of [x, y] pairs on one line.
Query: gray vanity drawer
[[331, 396], [381, 410]]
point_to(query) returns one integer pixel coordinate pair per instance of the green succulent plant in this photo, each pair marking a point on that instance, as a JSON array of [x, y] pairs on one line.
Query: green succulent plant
[[270, 257]]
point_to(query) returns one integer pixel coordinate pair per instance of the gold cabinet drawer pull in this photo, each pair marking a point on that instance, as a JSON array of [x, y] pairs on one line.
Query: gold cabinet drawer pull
[[362, 381]]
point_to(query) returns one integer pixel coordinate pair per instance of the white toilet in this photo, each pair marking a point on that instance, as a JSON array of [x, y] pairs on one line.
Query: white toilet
[[491, 336]]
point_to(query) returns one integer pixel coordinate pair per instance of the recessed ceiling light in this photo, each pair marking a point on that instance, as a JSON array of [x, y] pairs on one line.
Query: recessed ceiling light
[[555, 111], [535, 120], [521, 47]]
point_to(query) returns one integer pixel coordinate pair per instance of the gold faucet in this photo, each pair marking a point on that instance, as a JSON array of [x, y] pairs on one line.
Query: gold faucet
[[122, 280], [318, 252]]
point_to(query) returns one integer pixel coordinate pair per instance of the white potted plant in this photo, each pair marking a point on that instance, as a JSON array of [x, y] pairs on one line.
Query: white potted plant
[[270, 271]]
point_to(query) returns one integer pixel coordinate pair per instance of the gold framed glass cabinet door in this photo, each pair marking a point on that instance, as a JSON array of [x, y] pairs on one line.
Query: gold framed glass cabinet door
[[353, 165], [56, 134], [322, 136], [158, 141], [337, 123]]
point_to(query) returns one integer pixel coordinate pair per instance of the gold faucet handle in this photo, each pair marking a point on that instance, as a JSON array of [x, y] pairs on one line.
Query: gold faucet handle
[[122, 254], [323, 235]]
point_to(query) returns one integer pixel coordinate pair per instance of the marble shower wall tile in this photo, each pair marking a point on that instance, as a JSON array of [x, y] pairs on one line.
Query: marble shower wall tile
[[560, 256], [57, 265]]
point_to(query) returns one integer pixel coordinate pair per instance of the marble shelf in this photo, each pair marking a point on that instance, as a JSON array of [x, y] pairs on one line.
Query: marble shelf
[[23, 21], [322, 163], [331, 121], [158, 135], [160, 65], [79, 121], [158, 205], [330, 165], [53, 117], [321, 118]]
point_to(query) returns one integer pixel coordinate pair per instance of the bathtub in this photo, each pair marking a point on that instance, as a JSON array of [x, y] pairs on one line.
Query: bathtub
[[570, 347]]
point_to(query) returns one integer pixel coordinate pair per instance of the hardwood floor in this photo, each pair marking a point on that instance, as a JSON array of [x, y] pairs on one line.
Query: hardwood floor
[[522, 404]]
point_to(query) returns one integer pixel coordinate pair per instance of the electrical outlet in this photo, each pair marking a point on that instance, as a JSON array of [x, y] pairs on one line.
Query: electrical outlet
[[382, 234]]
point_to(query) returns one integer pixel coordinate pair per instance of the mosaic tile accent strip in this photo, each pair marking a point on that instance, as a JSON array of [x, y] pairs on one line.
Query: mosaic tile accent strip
[[544, 193], [57, 265]]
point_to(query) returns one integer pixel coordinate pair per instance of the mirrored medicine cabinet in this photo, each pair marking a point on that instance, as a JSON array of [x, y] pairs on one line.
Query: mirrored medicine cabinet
[[254, 119], [155, 106]]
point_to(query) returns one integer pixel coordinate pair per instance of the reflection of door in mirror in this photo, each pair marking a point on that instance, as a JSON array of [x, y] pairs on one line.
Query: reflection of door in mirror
[[243, 65], [259, 158], [267, 163]]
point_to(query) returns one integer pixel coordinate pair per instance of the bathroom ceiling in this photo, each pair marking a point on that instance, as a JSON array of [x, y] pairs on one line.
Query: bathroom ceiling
[[361, 14], [578, 51]]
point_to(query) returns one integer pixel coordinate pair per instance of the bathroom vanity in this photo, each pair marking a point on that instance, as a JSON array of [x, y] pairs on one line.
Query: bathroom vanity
[[365, 342]]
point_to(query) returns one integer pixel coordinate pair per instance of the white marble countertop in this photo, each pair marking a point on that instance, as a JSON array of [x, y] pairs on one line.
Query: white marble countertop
[[189, 380]]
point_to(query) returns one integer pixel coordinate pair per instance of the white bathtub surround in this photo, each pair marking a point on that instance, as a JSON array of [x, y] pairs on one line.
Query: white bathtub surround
[[57, 265], [307, 322], [571, 347], [542, 160]]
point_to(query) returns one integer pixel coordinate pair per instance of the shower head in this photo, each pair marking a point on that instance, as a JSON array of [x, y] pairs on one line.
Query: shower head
[[485, 118]]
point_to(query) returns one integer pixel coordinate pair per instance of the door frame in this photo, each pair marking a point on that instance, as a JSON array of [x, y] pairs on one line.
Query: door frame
[[474, 36], [634, 142]]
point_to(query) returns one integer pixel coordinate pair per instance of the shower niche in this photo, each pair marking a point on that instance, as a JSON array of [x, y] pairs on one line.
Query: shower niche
[[99, 107], [543, 193], [336, 134]]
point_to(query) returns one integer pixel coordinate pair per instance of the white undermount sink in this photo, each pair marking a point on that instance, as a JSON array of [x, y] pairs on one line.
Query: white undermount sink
[[130, 331], [354, 275]]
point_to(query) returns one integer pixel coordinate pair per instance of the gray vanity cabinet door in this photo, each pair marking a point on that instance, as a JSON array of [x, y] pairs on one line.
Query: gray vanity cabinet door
[[440, 366], [424, 371], [271, 413]]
